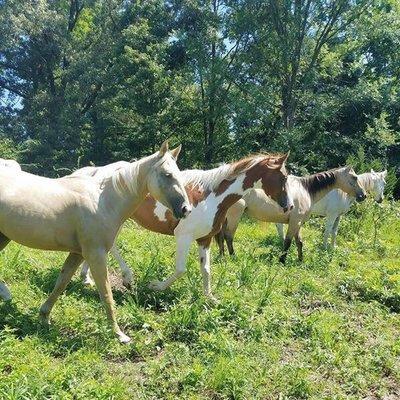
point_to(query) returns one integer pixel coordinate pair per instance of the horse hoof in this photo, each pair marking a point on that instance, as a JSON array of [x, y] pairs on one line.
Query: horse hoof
[[44, 318], [124, 339], [88, 282], [156, 285], [212, 299]]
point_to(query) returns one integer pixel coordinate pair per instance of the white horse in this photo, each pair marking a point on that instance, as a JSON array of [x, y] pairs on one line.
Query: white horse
[[305, 192], [82, 215], [336, 203]]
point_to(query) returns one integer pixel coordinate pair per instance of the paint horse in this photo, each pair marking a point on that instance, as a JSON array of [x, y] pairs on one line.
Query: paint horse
[[82, 215], [336, 203], [211, 193], [305, 192]]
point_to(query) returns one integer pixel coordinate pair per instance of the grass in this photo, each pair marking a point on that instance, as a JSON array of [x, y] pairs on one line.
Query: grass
[[328, 328]]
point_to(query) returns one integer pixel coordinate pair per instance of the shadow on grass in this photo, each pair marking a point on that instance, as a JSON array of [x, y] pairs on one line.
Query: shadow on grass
[[27, 324], [45, 280]]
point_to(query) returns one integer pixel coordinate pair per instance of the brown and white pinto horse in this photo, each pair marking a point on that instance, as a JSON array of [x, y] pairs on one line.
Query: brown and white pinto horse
[[211, 193], [305, 192]]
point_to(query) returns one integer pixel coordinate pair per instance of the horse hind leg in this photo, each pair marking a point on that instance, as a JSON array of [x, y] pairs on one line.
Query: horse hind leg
[[299, 244], [85, 275], [5, 293], [127, 276], [205, 268], [335, 231], [71, 264]]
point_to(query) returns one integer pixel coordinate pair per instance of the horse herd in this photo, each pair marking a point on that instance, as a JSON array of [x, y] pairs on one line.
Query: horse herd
[[82, 213]]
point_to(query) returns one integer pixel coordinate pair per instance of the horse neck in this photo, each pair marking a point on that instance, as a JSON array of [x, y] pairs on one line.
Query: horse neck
[[119, 196], [319, 185]]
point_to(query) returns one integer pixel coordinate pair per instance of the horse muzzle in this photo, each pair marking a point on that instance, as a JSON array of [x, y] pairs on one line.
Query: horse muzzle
[[288, 208], [361, 197], [183, 211]]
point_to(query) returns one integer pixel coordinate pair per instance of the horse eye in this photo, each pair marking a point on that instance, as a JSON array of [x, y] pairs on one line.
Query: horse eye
[[168, 175]]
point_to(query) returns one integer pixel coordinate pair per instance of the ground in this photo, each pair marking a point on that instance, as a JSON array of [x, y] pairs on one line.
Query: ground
[[327, 328]]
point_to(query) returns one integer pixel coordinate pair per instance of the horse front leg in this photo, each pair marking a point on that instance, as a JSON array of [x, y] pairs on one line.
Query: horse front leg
[[5, 293], [205, 268], [98, 266], [182, 250], [281, 233], [70, 266]]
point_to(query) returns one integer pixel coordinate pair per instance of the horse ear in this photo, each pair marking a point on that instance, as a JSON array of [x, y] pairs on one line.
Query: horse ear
[[384, 173], [281, 160], [175, 152], [163, 148], [372, 171]]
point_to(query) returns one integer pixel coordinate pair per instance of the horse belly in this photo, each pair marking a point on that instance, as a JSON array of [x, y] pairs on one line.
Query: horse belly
[[35, 229]]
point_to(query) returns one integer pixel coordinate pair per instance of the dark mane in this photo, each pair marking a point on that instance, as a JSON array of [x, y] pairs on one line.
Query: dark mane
[[320, 181]]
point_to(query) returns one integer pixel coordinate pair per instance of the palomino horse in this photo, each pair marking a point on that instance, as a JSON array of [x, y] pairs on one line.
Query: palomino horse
[[336, 203], [82, 215], [305, 192], [211, 193]]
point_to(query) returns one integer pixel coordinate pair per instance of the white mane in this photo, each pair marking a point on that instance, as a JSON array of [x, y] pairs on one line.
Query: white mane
[[366, 181]]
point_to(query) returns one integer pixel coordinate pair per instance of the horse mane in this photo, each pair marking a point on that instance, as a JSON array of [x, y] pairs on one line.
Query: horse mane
[[210, 179], [366, 181], [319, 181]]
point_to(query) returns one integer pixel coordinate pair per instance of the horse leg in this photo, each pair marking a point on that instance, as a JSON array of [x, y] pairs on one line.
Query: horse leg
[[5, 293], [127, 276], [286, 245], [98, 267], [335, 231], [292, 231], [219, 238], [205, 268], [299, 244], [281, 233], [229, 242], [182, 250], [328, 229], [85, 275], [70, 266]]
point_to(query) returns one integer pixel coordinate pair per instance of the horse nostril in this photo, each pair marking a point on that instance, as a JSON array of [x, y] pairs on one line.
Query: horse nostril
[[291, 207]]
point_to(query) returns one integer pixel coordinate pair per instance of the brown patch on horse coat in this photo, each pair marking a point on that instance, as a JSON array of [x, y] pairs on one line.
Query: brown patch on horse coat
[[223, 186], [219, 218], [145, 216]]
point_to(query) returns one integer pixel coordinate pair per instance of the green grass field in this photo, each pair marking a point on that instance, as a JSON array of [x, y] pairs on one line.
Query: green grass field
[[328, 328]]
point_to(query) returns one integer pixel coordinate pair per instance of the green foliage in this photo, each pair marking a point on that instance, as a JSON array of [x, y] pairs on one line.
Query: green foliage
[[98, 81]]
